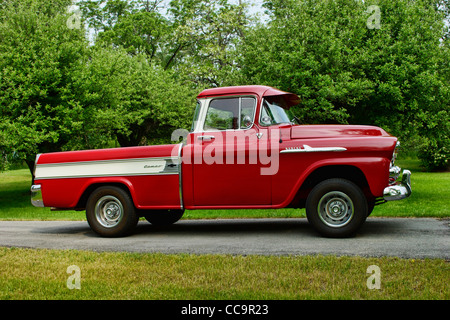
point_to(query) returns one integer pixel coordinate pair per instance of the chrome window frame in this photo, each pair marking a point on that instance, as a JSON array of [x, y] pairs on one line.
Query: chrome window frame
[[205, 104]]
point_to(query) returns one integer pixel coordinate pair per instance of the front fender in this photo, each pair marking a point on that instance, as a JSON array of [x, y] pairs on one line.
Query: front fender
[[374, 169]]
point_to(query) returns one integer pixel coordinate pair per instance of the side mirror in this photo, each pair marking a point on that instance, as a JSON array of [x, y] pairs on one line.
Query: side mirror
[[266, 120], [247, 122]]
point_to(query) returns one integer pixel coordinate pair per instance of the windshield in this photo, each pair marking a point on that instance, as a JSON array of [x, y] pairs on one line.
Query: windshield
[[272, 113]]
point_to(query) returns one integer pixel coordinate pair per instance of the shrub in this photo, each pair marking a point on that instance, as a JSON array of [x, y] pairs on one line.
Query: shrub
[[435, 154]]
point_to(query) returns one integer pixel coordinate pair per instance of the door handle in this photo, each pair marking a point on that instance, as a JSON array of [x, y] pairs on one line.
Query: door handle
[[206, 138]]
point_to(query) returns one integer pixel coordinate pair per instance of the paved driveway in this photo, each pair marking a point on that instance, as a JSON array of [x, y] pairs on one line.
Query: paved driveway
[[401, 237]]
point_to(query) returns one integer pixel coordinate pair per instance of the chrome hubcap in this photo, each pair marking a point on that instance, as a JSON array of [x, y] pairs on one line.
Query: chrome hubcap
[[109, 211], [335, 209]]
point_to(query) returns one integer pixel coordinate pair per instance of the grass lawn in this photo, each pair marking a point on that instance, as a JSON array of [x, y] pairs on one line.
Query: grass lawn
[[42, 274]]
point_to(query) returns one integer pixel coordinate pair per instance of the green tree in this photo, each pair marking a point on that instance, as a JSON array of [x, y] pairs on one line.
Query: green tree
[[374, 62], [136, 26], [38, 53], [135, 102], [193, 38], [204, 36], [59, 93]]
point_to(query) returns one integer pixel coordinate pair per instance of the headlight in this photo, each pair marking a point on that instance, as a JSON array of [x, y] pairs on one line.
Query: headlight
[[394, 171], [394, 156]]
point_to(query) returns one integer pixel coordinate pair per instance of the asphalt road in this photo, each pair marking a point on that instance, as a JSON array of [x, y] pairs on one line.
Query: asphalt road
[[400, 237]]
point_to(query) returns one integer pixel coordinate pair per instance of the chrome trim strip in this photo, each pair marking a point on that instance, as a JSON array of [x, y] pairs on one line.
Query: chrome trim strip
[[36, 196], [180, 175], [307, 148], [108, 175]]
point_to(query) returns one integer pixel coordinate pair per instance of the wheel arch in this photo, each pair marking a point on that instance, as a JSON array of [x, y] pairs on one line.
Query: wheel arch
[[94, 186], [346, 172]]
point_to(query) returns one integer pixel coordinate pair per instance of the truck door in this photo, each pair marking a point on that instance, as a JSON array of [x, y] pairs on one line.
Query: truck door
[[226, 156]]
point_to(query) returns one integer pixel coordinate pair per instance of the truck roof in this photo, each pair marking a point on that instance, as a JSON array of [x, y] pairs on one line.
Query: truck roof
[[260, 91]]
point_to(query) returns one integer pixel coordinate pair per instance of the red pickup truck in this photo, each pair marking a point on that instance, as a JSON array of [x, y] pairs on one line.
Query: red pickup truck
[[244, 150]]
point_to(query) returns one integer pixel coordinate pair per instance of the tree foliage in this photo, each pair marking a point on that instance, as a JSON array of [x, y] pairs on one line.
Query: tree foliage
[[38, 54], [191, 37], [128, 99], [133, 78], [347, 69], [58, 93]]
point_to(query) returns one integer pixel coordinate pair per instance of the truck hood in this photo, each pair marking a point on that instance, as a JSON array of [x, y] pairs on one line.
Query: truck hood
[[334, 131]]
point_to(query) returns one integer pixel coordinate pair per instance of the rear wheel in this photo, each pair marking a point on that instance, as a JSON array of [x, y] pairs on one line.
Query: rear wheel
[[163, 217], [110, 212], [336, 208]]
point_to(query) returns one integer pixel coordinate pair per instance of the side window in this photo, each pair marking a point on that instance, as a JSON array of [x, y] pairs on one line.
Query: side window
[[222, 114], [229, 113]]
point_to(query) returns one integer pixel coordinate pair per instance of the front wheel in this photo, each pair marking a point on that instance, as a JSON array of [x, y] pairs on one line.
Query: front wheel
[[336, 208], [110, 212]]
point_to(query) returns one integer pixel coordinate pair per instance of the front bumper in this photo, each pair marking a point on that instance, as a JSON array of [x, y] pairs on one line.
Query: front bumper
[[398, 190], [36, 196]]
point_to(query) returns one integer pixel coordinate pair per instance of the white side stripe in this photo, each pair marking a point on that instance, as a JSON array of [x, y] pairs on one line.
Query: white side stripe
[[123, 167]]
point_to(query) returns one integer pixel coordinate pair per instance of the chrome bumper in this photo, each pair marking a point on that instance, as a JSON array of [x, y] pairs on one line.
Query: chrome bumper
[[36, 196], [399, 190]]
